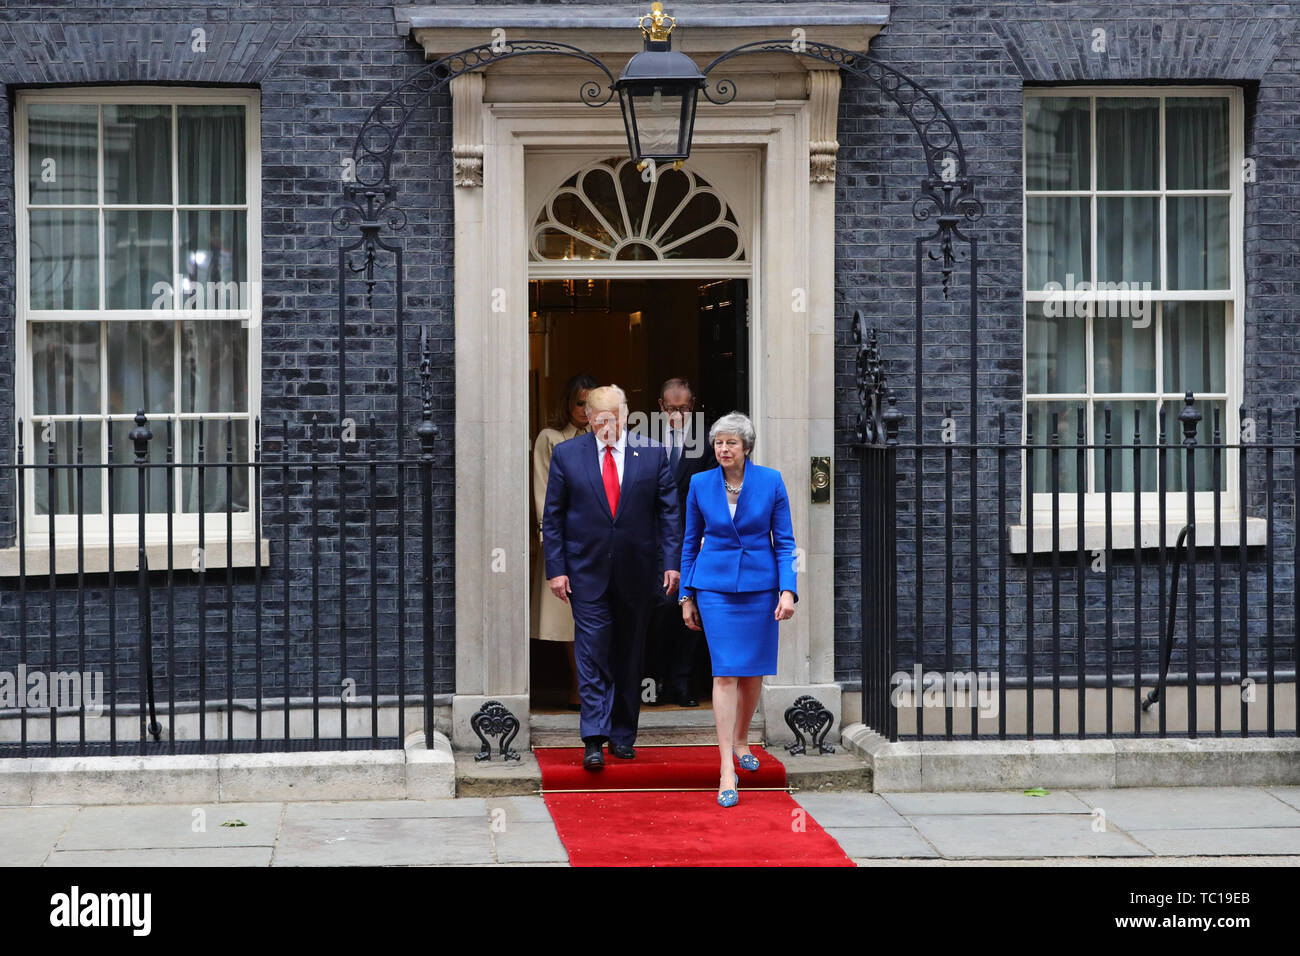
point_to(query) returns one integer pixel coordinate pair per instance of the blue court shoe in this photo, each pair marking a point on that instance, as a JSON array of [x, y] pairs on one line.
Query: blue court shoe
[[728, 798], [748, 761]]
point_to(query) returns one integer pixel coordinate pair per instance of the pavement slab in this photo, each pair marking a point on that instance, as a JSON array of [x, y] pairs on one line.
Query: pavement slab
[[27, 834], [850, 810], [1228, 841], [994, 835], [174, 856], [1200, 808], [985, 801], [173, 826], [384, 841]]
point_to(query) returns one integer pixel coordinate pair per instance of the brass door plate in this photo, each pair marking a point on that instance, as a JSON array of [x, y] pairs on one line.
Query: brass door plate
[[821, 479]]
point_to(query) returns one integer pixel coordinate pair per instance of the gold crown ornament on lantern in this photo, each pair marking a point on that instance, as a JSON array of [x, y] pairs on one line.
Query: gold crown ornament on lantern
[[660, 24]]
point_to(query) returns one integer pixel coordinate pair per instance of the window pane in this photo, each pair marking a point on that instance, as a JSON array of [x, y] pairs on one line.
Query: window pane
[[1128, 143], [1059, 419], [63, 481], [1196, 143], [141, 364], [138, 258], [214, 435], [1056, 142], [1057, 241], [65, 368], [1176, 456], [214, 367], [1128, 243], [1193, 347], [569, 209], [64, 248], [211, 155], [63, 153], [137, 154], [214, 256], [553, 244], [1198, 242], [1125, 355], [126, 481], [1055, 352], [1122, 423]]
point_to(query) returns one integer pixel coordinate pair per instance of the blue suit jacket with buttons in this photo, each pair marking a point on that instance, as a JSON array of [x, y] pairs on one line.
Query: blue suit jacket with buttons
[[752, 552]]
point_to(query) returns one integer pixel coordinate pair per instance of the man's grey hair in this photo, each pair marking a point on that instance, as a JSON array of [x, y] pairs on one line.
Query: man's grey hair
[[736, 424]]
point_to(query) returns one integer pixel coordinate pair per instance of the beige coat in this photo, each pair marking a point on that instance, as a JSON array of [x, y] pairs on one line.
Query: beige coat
[[552, 619]]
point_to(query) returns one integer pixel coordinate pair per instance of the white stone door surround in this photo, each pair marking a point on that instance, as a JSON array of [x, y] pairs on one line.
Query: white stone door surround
[[789, 119]]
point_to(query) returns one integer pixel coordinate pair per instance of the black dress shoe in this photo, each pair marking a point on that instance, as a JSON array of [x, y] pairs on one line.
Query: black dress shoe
[[623, 751], [592, 758], [684, 699]]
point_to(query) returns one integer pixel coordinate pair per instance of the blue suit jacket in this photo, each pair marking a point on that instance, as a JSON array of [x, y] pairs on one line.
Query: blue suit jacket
[[584, 541], [753, 552]]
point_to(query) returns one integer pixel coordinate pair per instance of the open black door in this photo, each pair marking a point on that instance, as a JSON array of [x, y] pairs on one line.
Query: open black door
[[724, 348]]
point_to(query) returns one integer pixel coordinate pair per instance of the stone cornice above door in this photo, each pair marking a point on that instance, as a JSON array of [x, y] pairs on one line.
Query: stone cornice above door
[[610, 33]]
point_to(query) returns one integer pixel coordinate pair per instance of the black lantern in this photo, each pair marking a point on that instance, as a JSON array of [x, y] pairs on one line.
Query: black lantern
[[657, 92]]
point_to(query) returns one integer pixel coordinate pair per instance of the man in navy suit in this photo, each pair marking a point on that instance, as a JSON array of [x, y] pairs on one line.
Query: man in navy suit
[[686, 445], [613, 539]]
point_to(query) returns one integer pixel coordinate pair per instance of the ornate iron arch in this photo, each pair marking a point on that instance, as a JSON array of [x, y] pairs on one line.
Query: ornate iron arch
[[947, 191]]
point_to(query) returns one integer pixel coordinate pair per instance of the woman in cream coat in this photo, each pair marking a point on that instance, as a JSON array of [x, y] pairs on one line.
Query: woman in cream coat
[[553, 620]]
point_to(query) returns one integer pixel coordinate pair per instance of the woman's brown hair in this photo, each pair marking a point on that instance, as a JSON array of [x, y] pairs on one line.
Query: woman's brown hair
[[560, 419]]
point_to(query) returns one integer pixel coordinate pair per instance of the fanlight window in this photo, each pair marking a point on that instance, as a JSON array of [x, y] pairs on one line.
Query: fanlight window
[[609, 210]]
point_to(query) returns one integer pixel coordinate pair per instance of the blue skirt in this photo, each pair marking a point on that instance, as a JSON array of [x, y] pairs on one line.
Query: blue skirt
[[741, 630]]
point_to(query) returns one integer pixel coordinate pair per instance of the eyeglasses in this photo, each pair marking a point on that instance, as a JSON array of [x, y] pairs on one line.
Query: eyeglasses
[[677, 408]]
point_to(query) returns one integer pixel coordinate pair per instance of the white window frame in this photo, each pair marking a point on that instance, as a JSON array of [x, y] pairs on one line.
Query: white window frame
[[185, 526], [1122, 503]]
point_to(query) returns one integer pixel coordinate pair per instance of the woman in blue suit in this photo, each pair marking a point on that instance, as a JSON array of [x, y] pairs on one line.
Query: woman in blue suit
[[738, 583]]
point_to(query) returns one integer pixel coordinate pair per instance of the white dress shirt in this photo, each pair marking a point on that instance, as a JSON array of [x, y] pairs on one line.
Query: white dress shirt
[[619, 447]]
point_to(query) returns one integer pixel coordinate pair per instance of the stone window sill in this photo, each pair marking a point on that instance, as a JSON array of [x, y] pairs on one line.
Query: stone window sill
[[1122, 534], [243, 554]]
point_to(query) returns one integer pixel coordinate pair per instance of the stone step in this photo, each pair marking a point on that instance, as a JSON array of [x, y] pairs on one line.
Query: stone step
[[842, 770], [656, 727]]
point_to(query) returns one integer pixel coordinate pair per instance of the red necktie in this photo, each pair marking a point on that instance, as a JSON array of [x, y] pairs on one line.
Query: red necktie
[[610, 473]]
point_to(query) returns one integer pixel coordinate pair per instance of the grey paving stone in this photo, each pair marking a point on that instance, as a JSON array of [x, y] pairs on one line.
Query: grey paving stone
[[1022, 835], [529, 842], [888, 841], [850, 810], [1203, 808], [172, 827], [1229, 841], [527, 809], [391, 841], [999, 801], [27, 834], [175, 856], [390, 809], [1288, 795]]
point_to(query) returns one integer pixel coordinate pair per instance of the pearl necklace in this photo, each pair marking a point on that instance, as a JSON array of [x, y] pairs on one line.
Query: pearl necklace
[[726, 484]]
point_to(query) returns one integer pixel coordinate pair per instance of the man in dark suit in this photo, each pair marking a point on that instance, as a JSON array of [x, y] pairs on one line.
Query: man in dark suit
[[686, 446], [613, 537]]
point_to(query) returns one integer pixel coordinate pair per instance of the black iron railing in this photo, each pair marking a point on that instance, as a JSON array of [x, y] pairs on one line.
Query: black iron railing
[[1084, 608], [279, 609]]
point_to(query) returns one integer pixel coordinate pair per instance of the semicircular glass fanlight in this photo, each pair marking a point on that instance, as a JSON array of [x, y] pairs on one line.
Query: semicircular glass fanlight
[[608, 210]]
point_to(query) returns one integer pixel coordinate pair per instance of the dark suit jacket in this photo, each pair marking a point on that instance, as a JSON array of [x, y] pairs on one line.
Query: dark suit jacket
[[592, 547], [687, 468]]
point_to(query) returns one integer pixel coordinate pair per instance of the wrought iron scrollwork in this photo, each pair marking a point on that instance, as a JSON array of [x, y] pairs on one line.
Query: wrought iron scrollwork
[[947, 192], [807, 716], [878, 415], [494, 719]]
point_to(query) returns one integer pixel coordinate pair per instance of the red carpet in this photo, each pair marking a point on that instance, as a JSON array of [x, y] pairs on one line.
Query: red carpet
[[681, 827]]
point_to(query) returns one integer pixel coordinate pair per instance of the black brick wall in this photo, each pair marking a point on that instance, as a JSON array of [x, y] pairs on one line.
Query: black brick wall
[[320, 65]]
